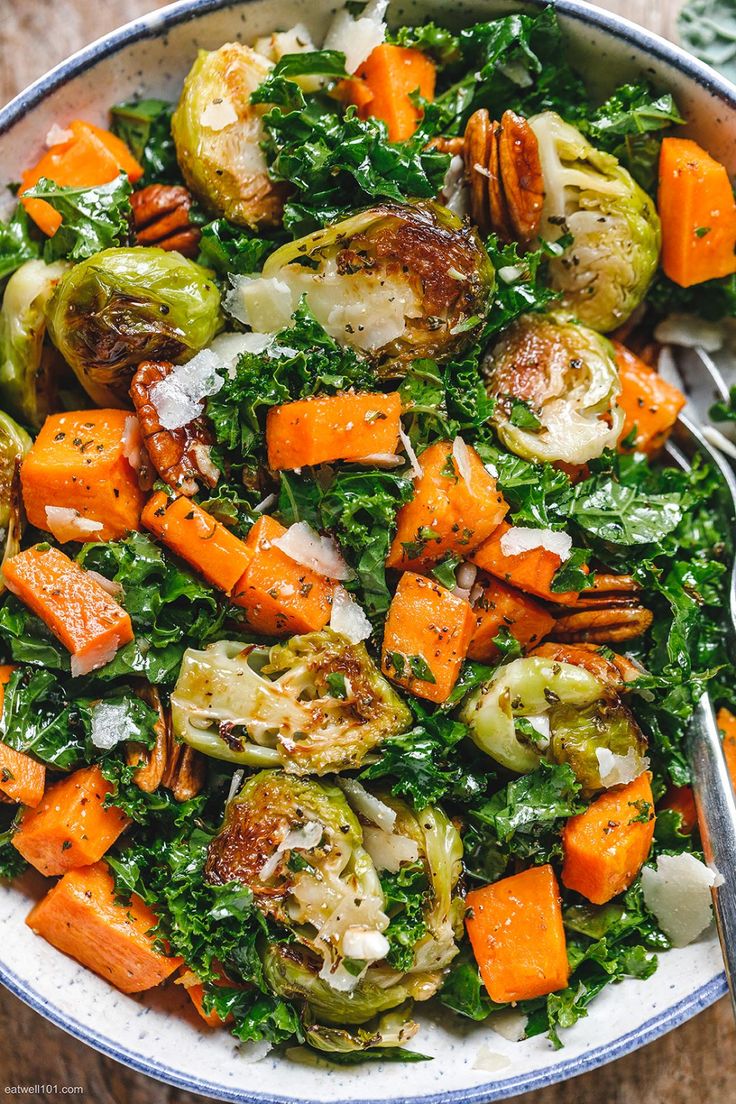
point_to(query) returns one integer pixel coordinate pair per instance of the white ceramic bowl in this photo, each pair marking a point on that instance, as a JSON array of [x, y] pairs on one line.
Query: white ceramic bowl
[[159, 1034]]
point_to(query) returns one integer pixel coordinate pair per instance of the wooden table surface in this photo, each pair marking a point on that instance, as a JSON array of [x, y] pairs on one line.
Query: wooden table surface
[[695, 1063]]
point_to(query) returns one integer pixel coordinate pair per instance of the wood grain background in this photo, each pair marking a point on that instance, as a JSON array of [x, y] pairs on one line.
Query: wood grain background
[[695, 1063]]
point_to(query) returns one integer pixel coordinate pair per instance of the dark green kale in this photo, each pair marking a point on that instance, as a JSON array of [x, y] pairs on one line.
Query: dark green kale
[[631, 125], [145, 127], [16, 244], [227, 248], [406, 894], [92, 218]]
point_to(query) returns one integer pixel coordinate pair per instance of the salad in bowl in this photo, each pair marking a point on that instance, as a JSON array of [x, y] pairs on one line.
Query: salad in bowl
[[354, 610]]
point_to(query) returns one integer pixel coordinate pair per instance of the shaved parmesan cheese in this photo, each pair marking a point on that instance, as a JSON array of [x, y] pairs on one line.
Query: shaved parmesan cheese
[[388, 850], [301, 543], [67, 524], [349, 618], [218, 114], [490, 1060], [455, 193], [295, 41], [378, 460], [179, 398], [411, 456], [461, 456], [250, 1053], [617, 770], [677, 890], [113, 589], [304, 838], [690, 332], [229, 347], [509, 1025], [466, 574], [110, 724], [510, 273], [95, 657], [517, 539], [492, 470], [265, 504], [541, 724], [338, 978], [357, 37], [57, 136], [366, 805], [365, 944], [235, 784]]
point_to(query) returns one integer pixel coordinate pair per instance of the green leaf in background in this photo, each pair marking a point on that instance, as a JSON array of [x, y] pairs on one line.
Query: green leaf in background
[[708, 29], [16, 244], [92, 218], [145, 127]]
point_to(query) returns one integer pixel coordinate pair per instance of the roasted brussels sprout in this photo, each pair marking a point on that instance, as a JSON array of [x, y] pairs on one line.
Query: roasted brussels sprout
[[123, 306], [555, 385], [298, 846], [395, 282], [14, 444], [537, 708], [314, 704], [578, 735], [528, 691], [27, 362], [218, 132], [606, 271]]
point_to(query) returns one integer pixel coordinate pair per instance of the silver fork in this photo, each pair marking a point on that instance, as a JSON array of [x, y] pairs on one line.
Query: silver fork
[[714, 794]]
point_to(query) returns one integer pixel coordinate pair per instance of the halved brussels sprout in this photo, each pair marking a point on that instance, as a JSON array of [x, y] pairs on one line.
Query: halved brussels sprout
[[312, 705], [14, 444], [27, 363], [218, 133], [606, 271], [298, 846], [579, 734], [395, 282], [393, 1029], [528, 689], [126, 305], [555, 384]]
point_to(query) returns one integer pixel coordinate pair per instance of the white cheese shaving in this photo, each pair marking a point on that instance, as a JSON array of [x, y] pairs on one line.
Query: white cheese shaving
[[378, 460], [250, 1053], [265, 504], [113, 589], [540, 722], [179, 398], [465, 575], [617, 770], [388, 850], [510, 273], [490, 1061], [297, 40], [348, 618], [509, 1025], [302, 544], [690, 332], [366, 805], [357, 37], [461, 456], [110, 724], [365, 944], [492, 470], [304, 838], [411, 456], [338, 978], [67, 524], [677, 890], [57, 136], [218, 114], [229, 347], [455, 193], [518, 539]]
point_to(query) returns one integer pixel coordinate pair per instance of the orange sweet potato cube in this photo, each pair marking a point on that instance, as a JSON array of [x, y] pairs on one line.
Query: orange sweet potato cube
[[448, 513], [503, 607], [22, 779], [531, 571], [78, 461], [606, 846], [82, 917], [71, 827], [650, 404], [279, 595], [516, 932], [332, 427], [426, 637]]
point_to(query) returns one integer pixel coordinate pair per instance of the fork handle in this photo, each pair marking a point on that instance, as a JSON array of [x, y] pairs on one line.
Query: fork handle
[[714, 800]]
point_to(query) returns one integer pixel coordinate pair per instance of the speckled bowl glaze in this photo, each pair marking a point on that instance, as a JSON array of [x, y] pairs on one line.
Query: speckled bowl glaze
[[159, 1034]]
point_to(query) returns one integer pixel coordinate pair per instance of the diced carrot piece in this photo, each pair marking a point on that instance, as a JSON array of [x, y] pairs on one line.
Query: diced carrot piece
[[727, 725], [606, 846], [79, 462], [649, 402], [426, 637], [82, 917], [332, 427], [392, 74], [503, 607], [354, 91], [516, 932], [279, 595], [71, 827], [680, 799], [447, 513], [79, 612], [531, 571], [195, 991], [698, 212], [90, 157], [207, 545], [22, 779]]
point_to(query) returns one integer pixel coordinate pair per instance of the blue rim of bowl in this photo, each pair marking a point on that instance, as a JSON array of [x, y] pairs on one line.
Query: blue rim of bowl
[[153, 25]]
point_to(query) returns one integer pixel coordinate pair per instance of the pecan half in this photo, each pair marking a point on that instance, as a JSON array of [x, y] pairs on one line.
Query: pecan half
[[521, 173], [168, 763], [161, 216], [604, 626], [180, 456], [453, 146]]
